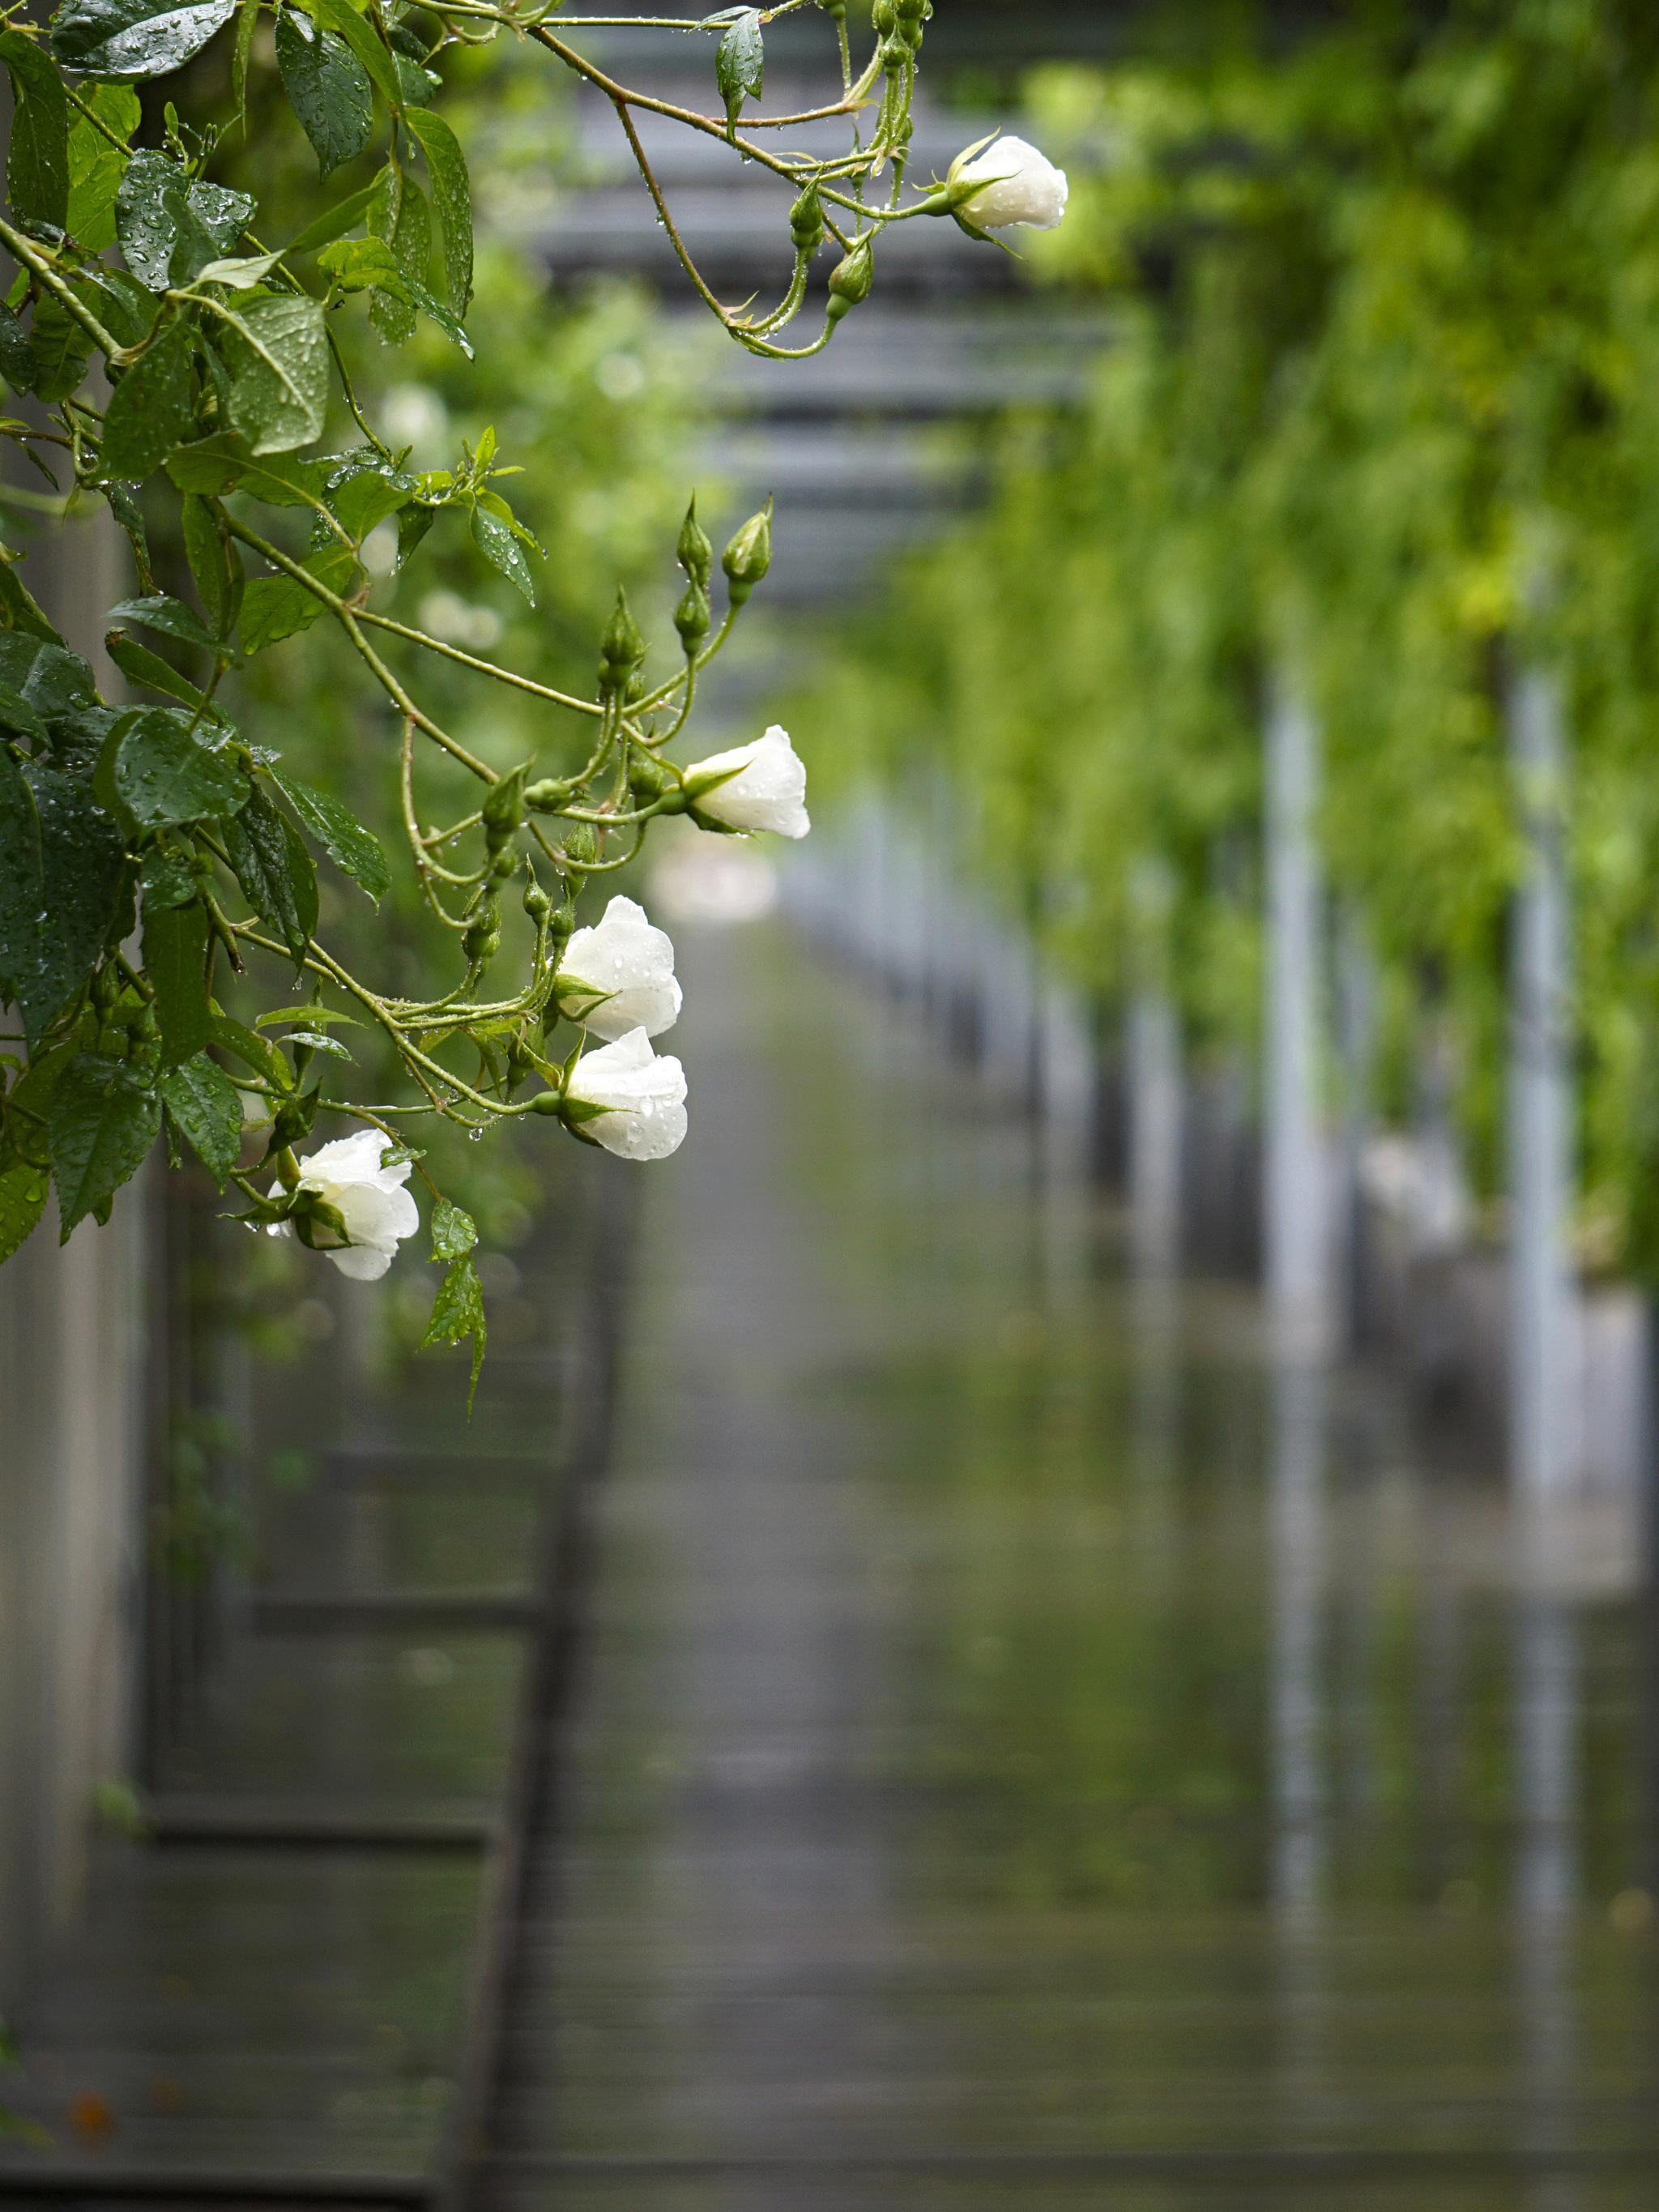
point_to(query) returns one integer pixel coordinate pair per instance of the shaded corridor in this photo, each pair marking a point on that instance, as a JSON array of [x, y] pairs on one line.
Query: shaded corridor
[[1026, 1752]]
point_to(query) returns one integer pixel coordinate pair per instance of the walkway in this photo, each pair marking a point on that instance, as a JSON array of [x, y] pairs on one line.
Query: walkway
[[1028, 1756]]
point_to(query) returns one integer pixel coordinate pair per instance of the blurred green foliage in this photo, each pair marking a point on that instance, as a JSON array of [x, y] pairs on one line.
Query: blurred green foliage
[[1379, 417]]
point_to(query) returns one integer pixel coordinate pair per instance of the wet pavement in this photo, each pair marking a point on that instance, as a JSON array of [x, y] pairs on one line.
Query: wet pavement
[[1031, 1752]]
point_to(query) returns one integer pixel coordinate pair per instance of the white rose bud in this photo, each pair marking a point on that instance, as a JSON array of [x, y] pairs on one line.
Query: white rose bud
[[643, 1098], [1016, 183], [620, 975], [369, 1198], [758, 787]]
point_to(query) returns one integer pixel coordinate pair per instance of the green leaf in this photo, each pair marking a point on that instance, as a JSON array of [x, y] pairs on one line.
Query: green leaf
[[740, 64], [496, 540], [350, 846], [168, 878], [24, 1189], [418, 82], [453, 1233], [457, 1312], [172, 617], [327, 87], [277, 351], [140, 665], [214, 564], [275, 607], [16, 362], [133, 39], [452, 200], [37, 161], [160, 774], [247, 21], [341, 19], [201, 1098], [59, 351], [101, 1123], [355, 264], [150, 410], [18, 613], [212, 466], [398, 214], [205, 1105], [335, 222], [254, 1052], [53, 680], [175, 961], [413, 523], [157, 202], [22, 887], [82, 873], [275, 871], [92, 201]]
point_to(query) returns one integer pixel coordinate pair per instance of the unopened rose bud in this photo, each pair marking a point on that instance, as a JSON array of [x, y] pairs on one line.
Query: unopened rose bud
[[547, 796], [536, 903], [1009, 182], [850, 281], [806, 224], [835, 9], [749, 555], [621, 649], [581, 845], [503, 811], [647, 779], [483, 941], [882, 16], [692, 617], [697, 555]]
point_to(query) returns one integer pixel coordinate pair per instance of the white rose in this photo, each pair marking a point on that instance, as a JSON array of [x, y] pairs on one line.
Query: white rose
[[643, 1098], [369, 1198], [1017, 184], [620, 975], [758, 787]]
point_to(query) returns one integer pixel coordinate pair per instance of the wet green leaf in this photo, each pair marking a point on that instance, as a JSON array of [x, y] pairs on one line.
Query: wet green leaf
[[212, 466], [453, 1233], [275, 871], [171, 616], [457, 1312], [102, 1121], [24, 1189], [37, 160], [498, 543], [398, 214], [349, 846], [452, 200], [277, 352], [175, 961], [275, 607], [133, 39], [158, 774], [327, 87], [206, 1106], [740, 64], [83, 870], [150, 410], [156, 201]]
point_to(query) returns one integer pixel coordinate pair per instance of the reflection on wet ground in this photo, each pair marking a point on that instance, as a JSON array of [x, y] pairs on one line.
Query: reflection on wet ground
[[1031, 1752]]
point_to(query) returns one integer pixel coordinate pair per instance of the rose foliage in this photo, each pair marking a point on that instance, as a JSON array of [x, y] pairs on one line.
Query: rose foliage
[[148, 849]]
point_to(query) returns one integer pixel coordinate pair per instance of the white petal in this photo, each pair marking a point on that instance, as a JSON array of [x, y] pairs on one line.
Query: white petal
[[764, 786], [363, 1262]]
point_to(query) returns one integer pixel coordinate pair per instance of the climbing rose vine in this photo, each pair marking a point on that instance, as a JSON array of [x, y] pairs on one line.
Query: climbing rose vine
[[146, 848]]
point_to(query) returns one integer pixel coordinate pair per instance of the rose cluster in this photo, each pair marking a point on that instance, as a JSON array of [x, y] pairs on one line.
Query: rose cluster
[[616, 982]]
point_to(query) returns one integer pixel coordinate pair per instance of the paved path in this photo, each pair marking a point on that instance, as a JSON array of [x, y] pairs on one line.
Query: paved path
[[1023, 1756]]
